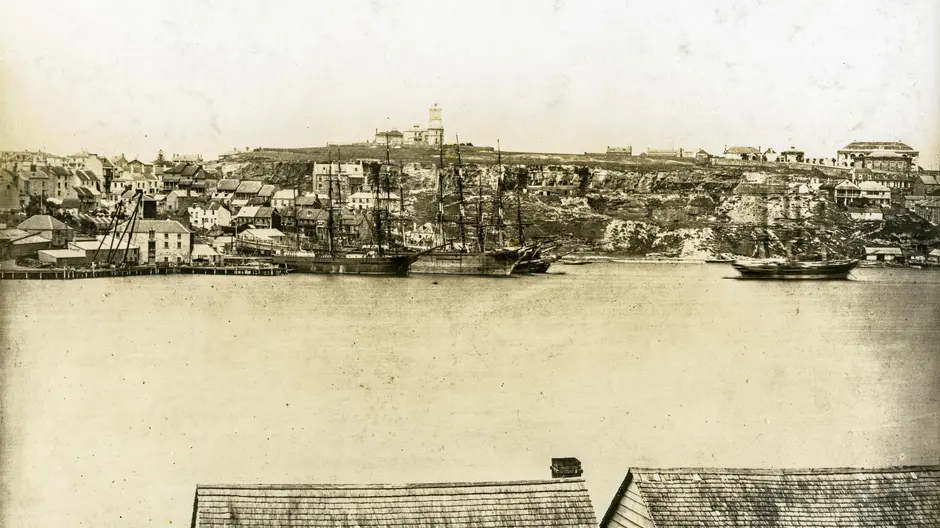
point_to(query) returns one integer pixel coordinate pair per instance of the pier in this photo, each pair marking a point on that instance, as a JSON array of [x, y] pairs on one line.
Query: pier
[[82, 273]]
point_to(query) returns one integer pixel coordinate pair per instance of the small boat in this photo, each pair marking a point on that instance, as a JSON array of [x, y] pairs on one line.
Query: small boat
[[575, 262], [795, 269]]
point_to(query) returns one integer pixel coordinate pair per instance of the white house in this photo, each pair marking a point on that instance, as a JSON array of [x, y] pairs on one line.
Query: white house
[[866, 214], [207, 216], [875, 193], [284, 198], [161, 241], [363, 201]]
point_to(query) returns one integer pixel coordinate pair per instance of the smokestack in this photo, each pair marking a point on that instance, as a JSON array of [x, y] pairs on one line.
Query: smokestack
[[566, 467]]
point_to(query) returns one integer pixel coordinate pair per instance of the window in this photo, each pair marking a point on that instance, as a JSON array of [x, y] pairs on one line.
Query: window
[[166, 245], [179, 245], [166, 235], [179, 236]]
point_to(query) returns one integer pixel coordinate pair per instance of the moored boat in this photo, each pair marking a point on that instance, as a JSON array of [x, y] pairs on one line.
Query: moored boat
[[299, 262], [795, 269]]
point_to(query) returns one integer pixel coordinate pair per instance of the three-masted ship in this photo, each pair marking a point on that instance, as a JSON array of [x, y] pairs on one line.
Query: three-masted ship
[[337, 259], [791, 266], [452, 254]]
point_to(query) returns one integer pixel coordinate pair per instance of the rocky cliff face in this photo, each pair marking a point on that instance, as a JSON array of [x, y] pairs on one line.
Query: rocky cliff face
[[679, 211]]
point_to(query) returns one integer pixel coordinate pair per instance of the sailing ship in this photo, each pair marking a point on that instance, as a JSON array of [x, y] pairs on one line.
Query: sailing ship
[[455, 256], [336, 259], [790, 266]]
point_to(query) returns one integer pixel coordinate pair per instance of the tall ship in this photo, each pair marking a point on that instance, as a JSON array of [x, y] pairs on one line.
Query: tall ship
[[791, 266], [338, 259], [454, 252]]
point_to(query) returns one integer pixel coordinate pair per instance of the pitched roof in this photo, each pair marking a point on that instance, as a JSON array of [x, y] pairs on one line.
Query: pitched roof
[[307, 200], [881, 153], [249, 186], [227, 185], [742, 150], [190, 170], [887, 251], [285, 194], [200, 250], [869, 185], [267, 190], [175, 169], [158, 226], [558, 503], [265, 212], [41, 223], [803, 498], [876, 145], [929, 179], [249, 211]]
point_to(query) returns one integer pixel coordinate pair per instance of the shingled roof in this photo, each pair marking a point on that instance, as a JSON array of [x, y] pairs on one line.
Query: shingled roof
[[558, 503], [804, 498]]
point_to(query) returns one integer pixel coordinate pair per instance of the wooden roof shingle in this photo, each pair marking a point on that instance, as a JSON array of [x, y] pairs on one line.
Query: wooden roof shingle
[[800, 498], [559, 503]]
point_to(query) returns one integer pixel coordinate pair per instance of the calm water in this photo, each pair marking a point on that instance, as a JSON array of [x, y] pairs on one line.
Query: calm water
[[121, 395]]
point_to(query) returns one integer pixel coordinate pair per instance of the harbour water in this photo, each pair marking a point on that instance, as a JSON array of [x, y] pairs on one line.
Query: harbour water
[[120, 395]]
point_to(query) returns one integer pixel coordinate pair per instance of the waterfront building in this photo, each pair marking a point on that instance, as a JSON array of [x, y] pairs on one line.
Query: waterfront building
[[205, 254], [105, 248], [160, 241], [557, 503], [18, 243], [882, 254], [891, 155], [47, 227], [782, 498], [62, 257]]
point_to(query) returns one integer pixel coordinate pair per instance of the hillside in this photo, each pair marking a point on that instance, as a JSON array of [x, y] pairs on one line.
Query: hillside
[[633, 207]]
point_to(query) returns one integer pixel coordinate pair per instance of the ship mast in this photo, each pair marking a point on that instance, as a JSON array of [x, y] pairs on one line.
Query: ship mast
[[339, 192], [329, 210], [388, 201], [460, 211], [376, 214], [519, 211], [481, 235], [499, 195], [401, 204], [440, 193]]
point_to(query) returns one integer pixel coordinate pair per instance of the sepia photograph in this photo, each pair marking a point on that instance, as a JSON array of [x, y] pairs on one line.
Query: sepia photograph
[[414, 264]]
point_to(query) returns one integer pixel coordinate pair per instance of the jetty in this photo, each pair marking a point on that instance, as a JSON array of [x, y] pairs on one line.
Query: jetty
[[136, 271]]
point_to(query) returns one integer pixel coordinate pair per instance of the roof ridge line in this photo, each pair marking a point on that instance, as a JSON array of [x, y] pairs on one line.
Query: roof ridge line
[[418, 485], [788, 471]]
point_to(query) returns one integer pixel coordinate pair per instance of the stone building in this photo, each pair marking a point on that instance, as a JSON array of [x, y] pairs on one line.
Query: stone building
[[854, 155]]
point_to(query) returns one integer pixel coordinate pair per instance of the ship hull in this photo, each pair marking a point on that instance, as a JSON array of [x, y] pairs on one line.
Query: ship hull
[[397, 266], [776, 270], [532, 266], [457, 263]]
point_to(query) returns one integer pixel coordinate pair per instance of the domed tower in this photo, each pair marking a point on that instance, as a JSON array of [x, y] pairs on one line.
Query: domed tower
[[435, 126]]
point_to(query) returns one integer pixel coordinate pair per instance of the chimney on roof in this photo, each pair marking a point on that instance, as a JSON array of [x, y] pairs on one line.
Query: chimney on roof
[[566, 467]]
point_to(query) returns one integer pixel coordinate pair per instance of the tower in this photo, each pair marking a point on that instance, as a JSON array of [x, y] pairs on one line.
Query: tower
[[435, 126]]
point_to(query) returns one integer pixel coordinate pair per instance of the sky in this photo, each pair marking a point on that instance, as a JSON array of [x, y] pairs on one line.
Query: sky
[[136, 77]]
